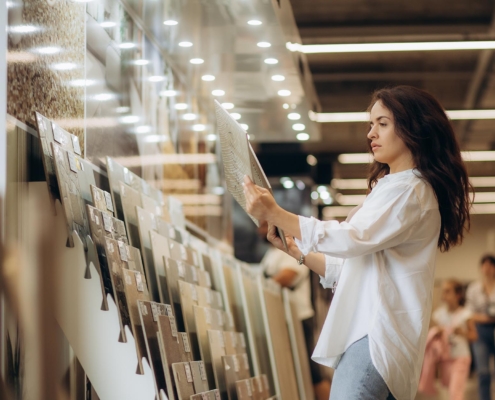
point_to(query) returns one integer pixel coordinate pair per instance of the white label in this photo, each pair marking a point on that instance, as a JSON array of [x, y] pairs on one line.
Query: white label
[[72, 161], [75, 144], [237, 367], [108, 201], [194, 293], [202, 370], [96, 193], [187, 368], [194, 274], [182, 269], [144, 309], [154, 311], [110, 247], [122, 251], [58, 134], [139, 281], [204, 396], [217, 394], [173, 326], [107, 221], [185, 340], [169, 311]]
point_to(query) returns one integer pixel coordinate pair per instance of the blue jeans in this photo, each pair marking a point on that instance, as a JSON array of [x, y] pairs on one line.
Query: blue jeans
[[356, 378], [483, 349]]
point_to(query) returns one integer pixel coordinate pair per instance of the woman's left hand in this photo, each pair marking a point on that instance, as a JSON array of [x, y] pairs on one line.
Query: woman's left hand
[[259, 201]]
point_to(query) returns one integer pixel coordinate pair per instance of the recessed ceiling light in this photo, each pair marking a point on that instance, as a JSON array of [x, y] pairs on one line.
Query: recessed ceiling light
[[288, 184], [300, 185], [129, 119], [298, 127], [271, 61], [228, 106], [127, 45], [264, 44], [48, 50], [284, 93], [278, 78], [142, 129], [196, 61], [189, 116], [302, 136], [141, 62], [321, 189], [170, 22], [245, 126], [254, 22], [208, 78], [156, 138], [285, 106], [104, 96], [108, 24], [218, 92], [64, 66], [181, 106], [294, 116], [315, 195], [324, 195], [168, 93], [156, 78], [198, 127], [81, 82], [236, 116], [185, 43], [22, 29], [211, 137]]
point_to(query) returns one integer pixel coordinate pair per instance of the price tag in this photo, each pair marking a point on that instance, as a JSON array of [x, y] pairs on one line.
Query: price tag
[[169, 311], [122, 251], [75, 144], [96, 193], [187, 368], [246, 361], [107, 222], [154, 311], [185, 340], [139, 281], [182, 269], [144, 309], [72, 161], [208, 316], [194, 273], [173, 326], [58, 134], [220, 317], [194, 293], [108, 201], [202, 370], [236, 364]]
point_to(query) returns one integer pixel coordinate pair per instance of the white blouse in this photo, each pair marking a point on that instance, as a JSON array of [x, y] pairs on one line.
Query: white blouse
[[383, 258]]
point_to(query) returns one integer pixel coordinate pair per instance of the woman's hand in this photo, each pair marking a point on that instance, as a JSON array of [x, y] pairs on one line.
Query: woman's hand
[[259, 201], [274, 239]]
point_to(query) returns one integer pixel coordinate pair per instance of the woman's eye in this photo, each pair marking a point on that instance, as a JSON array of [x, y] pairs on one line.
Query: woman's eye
[[383, 124]]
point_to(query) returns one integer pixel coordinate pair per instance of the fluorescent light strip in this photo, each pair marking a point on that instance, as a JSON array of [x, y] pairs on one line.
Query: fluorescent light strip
[[362, 184], [391, 47], [366, 158], [350, 200], [365, 117], [162, 159]]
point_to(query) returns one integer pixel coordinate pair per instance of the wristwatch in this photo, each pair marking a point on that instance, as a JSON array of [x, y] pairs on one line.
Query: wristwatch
[[301, 259]]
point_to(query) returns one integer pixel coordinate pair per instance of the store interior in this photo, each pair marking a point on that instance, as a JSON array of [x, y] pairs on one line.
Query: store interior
[[127, 268]]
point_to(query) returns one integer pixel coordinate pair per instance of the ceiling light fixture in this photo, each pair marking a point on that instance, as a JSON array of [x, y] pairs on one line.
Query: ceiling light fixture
[[284, 93], [236, 116], [294, 116], [48, 50], [391, 47], [303, 136], [168, 93], [156, 78], [141, 62], [366, 158], [271, 61], [189, 116], [254, 22], [278, 78], [181, 106], [127, 45], [64, 66], [81, 82], [211, 137], [208, 78], [129, 119], [185, 43], [228, 106], [142, 129], [198, 128], [245, 126], [264, 44], [196, 61], [298, 127], [170, 22], [104, 97], [311, 160], [218, 92], [108, 24], [349, 184]]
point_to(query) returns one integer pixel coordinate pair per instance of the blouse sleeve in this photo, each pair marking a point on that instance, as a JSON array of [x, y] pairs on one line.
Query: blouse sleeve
[[385, 220], [333, 268]]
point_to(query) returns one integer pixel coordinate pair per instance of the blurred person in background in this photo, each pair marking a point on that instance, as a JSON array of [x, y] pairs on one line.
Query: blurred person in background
[[480, 299], [284, 270], [447, 344]]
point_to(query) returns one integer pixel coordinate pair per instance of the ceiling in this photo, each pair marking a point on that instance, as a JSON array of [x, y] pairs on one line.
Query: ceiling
[[345, 82]]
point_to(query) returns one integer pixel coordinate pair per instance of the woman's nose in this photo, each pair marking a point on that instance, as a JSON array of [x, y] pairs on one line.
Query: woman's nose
[[372, 133]]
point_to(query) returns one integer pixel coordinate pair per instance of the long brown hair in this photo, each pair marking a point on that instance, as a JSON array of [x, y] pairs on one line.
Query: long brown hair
[[421, 122]]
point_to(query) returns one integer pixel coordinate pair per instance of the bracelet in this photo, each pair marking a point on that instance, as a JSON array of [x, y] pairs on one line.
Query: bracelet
[[301, 259]]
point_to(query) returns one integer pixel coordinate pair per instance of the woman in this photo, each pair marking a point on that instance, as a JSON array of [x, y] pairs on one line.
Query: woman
[[383, 256], [480, 299], [447, 345]]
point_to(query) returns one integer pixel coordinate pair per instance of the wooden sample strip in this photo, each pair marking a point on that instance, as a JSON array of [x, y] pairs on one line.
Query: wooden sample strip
[[184, 381], [130, 200], [199, 376], [135, 290], [209, 395], [170, 351], [236, 367]]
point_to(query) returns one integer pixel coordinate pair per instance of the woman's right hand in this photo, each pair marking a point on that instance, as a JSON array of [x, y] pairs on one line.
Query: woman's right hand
[[275, 239]]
